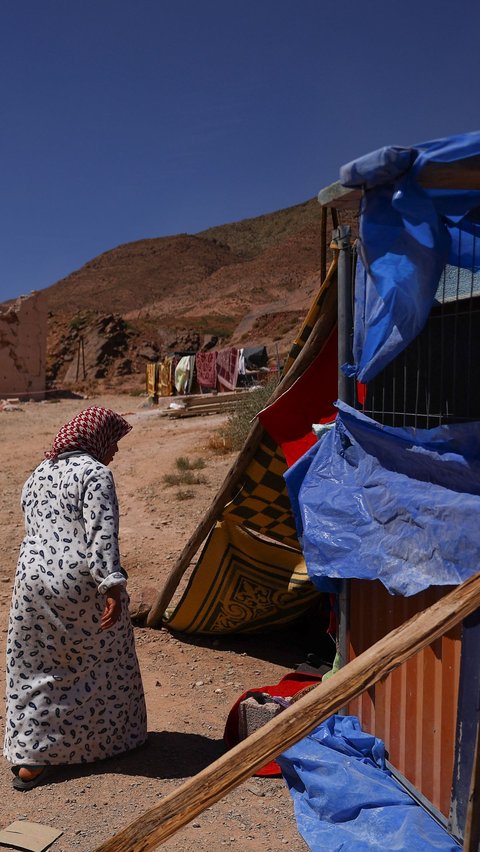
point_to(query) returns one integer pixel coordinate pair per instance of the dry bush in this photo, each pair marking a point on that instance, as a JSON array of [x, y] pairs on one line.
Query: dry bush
[[185, 477], [183, 463], [239, 423], [185, 495]]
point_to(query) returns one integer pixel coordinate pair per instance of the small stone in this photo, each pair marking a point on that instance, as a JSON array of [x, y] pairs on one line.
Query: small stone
[[219, 691], [257, 791], [199, 683]]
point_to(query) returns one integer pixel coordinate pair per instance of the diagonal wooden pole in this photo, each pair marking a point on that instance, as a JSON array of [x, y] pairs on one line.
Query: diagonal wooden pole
[[198, 793], [320, 332]]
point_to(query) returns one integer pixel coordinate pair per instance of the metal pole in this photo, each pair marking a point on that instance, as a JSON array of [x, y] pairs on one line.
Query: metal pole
[[341, 237]]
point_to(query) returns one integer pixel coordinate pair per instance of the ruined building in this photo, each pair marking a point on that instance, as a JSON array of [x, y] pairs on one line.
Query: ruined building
[[23, 347]]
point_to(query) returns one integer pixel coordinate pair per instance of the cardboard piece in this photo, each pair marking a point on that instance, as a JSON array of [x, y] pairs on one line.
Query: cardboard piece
[[31, 836]]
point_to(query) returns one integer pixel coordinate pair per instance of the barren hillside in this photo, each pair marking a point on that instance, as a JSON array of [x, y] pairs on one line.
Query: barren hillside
[[244, 282]]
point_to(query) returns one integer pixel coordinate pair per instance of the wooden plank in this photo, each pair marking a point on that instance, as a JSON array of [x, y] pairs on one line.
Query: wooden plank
[[340, 197], [323, 327], [462, 174], [177, 414], [203, 790]]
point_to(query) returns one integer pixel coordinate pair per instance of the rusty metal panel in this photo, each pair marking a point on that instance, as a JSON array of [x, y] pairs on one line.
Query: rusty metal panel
[[414, 710]]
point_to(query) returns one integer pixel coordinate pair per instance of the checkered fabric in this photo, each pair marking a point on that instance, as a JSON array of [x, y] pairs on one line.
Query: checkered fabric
[[262, 504], [93, 431]]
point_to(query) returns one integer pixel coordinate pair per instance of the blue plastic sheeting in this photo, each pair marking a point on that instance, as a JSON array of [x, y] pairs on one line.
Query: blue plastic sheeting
[[345, 799], [407, 236], [398, 505]]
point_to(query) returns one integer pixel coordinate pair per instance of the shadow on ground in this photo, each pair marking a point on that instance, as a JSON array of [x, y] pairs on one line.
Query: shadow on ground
[[166, 754], [287, 647]]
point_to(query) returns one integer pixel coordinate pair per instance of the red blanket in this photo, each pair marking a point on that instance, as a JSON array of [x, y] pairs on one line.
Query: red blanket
[[289, 685], [309, 400], [206, 364], [227, 368]]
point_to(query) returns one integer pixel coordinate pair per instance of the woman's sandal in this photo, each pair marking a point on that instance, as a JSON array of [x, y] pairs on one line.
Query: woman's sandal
[[21, 784]]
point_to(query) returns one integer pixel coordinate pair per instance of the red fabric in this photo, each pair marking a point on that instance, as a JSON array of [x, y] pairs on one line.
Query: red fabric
[[289, 685], [361, 392], [93, 431], [227, 368], [206, 364], [310, 400]]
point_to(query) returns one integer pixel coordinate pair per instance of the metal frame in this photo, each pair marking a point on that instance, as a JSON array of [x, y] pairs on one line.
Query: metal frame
[[460, 175]]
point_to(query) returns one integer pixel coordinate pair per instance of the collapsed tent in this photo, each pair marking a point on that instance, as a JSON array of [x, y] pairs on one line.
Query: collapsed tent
[[215, 600], [243, 583]]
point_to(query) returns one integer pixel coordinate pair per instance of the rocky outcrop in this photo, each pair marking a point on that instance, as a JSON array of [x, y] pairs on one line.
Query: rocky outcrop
[[89, 350]]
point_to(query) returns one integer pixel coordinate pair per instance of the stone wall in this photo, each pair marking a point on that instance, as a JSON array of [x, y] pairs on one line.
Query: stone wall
[[23, 347]]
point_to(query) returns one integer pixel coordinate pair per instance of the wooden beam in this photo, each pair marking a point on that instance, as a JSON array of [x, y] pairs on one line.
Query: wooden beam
[[340, 197], [198, 793], [460, 175], [230, 485]]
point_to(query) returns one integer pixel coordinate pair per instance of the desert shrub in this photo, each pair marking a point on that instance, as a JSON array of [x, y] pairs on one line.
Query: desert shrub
[[185, 477], [239, 421], [219, 442], [183, 463], [185, 495]]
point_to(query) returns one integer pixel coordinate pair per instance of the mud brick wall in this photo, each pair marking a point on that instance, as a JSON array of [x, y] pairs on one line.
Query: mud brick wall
[[23, 347]]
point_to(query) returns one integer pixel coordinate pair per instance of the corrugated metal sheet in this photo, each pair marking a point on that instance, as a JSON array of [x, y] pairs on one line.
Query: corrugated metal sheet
[[414, 709]]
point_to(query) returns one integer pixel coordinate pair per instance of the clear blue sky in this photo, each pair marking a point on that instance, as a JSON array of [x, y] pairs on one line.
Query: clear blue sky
[[124, 119]]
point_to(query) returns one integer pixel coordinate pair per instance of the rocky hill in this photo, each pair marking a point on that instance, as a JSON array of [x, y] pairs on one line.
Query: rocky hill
[[245, 282]]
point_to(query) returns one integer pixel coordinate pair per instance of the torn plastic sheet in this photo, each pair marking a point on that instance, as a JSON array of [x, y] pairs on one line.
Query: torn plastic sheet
[[345, 798], [398, 505], [407, 236]]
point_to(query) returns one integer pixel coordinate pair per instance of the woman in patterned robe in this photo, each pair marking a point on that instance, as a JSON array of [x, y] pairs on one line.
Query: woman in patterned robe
[[74, 690]]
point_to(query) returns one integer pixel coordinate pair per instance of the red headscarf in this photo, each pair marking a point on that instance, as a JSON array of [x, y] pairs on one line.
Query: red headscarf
[[93, 431]]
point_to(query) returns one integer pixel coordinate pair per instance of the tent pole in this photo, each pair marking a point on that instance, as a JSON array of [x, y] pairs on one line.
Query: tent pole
[[319, 334], [196, 794]]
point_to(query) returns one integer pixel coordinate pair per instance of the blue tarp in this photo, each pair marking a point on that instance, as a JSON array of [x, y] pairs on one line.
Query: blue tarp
[[400, 505], [407, 236], [345, 799]]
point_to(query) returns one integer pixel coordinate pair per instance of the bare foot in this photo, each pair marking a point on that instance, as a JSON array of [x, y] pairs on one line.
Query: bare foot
[[27, 774]]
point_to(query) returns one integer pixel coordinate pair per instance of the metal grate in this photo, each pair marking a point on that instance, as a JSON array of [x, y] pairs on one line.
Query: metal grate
[[436, 379]]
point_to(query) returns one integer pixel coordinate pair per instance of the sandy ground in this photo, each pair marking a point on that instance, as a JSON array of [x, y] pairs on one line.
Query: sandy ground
[[190, 685]]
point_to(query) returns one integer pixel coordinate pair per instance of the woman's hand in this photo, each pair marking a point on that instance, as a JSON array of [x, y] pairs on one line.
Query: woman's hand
[[113, 607]]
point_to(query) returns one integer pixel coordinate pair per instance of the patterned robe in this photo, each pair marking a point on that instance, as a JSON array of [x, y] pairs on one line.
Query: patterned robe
[[74, 692]]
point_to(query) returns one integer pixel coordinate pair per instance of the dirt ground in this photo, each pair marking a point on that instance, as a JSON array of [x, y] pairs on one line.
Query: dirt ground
[[190, 684]]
